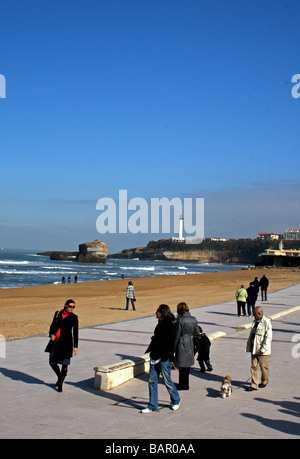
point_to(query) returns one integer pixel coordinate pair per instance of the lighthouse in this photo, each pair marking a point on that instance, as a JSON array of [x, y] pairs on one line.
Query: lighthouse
[[181, 227], [180, 237]]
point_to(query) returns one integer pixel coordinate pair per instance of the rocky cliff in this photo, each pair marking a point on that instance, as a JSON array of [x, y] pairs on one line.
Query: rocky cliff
[[92, 252], [241, 251]]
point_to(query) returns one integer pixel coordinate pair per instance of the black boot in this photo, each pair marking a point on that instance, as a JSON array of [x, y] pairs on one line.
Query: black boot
[[63, 374], [56, 370]]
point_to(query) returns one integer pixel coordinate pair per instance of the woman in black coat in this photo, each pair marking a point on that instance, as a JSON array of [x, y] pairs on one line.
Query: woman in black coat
[[161, 351], [63, 342]]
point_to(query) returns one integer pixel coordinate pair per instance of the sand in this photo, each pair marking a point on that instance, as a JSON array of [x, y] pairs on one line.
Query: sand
[[28, 311]]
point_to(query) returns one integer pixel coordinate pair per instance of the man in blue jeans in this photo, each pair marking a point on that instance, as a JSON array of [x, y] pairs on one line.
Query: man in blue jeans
[[161, 350]]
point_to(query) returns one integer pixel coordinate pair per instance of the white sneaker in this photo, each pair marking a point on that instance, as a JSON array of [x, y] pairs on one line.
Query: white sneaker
[[176, 407], [147, 410]]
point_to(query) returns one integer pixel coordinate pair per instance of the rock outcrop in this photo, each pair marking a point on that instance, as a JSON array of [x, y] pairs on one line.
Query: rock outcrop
[[89, 252], [92, 252], [60, 255]]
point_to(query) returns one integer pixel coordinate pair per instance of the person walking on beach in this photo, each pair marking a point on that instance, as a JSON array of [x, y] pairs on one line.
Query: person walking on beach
[[241, 297], [259, 344], [63, 342], [187, 329], [264, 284], [251, 298], [161, 350], [130, 295]]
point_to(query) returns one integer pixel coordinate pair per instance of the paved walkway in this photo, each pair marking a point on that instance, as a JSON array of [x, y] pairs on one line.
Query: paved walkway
[[31, 407]]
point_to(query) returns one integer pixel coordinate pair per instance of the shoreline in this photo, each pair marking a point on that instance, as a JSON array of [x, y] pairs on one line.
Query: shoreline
[[28, 311]]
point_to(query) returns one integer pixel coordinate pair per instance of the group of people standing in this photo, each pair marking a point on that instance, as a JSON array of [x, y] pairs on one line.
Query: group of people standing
[[63, 279], [249, 296], [174, 342]]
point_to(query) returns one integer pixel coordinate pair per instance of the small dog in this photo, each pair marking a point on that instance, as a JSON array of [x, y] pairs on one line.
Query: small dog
[[226, 387]]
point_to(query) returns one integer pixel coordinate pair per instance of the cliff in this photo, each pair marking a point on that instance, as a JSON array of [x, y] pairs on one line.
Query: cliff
[[240, 251]]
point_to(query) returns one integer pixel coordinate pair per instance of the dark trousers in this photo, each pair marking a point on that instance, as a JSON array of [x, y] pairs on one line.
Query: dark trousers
[[184, 373], [241, 305], [263, 294]]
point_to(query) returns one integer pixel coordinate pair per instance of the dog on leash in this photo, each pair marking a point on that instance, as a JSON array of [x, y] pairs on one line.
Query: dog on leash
[[226, 387]]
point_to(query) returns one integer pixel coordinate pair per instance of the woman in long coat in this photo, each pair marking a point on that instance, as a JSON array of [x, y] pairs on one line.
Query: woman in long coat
[[63, 342], [187, 329]]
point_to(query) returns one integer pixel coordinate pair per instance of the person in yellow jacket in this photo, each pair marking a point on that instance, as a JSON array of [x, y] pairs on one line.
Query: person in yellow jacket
[[241, 297], [259, 344]]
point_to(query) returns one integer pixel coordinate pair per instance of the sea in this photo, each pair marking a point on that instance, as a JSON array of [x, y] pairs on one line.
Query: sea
[[25, 268]]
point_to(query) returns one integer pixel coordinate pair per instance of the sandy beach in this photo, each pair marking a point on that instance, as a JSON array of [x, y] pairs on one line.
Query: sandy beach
[[28, 311]]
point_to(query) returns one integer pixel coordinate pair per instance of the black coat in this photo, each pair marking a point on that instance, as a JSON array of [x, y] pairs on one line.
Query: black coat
[[252, 295], [162, 345], [68, 336], [202, 346], [264, 283]]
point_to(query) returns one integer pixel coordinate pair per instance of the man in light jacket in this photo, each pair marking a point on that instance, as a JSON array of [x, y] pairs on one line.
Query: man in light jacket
[[259, 344]]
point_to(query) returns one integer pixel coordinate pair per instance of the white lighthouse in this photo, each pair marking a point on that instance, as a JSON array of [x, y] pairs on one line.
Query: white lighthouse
[[181, 227], [180, 237]]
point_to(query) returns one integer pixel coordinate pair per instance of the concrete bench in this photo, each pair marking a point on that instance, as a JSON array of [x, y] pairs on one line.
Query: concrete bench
[[109, 376]]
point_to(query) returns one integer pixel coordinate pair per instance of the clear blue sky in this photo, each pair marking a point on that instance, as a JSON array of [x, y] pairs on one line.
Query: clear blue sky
[[175, 98]]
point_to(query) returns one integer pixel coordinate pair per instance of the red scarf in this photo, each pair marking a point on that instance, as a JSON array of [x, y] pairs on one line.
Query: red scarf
[[57, 336]]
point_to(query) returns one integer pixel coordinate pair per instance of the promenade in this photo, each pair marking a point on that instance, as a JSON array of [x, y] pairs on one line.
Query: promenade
[[31, 408]]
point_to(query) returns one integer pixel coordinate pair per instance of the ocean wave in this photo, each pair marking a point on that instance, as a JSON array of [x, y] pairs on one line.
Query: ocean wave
[[150, 268], [29, 273], [14, 262]]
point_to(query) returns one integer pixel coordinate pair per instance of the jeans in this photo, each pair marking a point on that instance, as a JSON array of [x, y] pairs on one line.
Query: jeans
[[250, 307], [165, 369], [132, 302]]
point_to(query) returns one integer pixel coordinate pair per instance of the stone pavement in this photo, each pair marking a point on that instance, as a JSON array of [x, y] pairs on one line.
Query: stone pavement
[[31, 407]]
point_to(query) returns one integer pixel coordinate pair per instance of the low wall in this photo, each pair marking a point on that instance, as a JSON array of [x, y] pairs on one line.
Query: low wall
[[275, 316]]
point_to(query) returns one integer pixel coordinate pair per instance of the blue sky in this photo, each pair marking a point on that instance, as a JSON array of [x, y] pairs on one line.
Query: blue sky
[[162, 98]]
